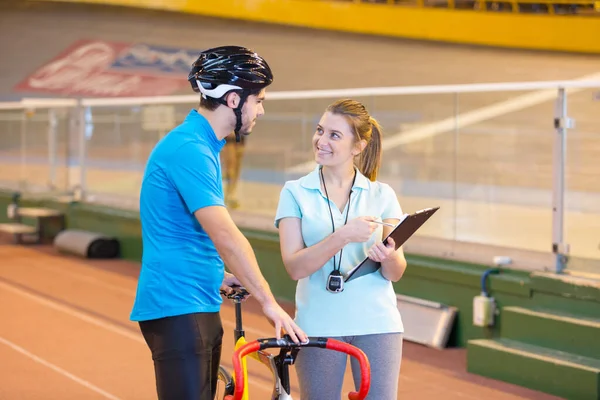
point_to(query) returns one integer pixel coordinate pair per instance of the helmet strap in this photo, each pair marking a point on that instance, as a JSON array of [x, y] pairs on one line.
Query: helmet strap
[[238, 114], [237, 111], [238, 123]]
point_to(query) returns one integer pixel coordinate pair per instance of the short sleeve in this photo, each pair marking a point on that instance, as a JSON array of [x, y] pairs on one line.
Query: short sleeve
[[392, 207], [288, 206], [195, 172]]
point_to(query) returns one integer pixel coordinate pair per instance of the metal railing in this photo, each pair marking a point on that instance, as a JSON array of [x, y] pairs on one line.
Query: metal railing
[[513, 165]]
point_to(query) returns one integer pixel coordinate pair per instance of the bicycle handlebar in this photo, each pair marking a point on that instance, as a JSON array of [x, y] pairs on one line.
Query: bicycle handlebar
[[287, 342]]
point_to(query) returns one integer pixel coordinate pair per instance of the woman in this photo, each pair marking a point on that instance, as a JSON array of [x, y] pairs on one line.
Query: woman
[[326, 223]]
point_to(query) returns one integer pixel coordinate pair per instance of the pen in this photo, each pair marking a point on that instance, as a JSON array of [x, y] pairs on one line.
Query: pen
[[385, 223]]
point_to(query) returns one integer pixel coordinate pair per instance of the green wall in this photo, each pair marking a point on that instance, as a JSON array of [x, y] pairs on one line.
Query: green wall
[[444, 281]]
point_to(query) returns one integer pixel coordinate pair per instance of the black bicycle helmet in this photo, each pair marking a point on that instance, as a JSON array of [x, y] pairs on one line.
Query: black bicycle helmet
[[220, 70]]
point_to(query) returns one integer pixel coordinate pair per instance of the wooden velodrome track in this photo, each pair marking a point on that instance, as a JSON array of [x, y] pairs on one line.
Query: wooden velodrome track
[[65, 334]]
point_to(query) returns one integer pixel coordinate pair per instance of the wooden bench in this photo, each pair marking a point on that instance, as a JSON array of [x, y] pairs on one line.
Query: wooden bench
[[43, 217]]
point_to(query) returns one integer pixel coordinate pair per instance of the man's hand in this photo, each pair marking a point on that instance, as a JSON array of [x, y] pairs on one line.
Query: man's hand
[[282, 320], [228, 281]]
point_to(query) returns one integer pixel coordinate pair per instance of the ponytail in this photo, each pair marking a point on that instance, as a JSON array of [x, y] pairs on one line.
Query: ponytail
[[369, 160]]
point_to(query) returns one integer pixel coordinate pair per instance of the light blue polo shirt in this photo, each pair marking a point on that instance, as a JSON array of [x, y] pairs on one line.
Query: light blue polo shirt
[[181, 270], [368, 304]]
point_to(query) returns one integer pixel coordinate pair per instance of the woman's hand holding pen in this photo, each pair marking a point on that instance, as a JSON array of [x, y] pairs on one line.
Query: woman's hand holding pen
[[359, 229]]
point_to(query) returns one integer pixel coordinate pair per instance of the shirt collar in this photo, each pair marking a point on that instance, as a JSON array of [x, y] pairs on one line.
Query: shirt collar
[[313, 180], [200, 124]]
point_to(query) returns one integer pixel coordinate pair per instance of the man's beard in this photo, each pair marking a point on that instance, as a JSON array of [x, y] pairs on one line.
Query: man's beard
[[246, 129]]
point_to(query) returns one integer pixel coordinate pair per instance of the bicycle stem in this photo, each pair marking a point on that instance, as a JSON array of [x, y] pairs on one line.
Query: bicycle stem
[[285, 358]]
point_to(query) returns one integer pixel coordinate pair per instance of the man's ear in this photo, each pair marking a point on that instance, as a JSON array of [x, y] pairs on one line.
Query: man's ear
[[233, 100]]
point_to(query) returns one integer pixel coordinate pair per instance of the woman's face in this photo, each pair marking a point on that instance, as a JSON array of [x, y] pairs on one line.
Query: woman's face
[[333, 141]]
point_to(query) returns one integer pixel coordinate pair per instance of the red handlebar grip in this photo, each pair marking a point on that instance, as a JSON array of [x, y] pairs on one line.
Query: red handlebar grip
[[365, 368], [242, 352]]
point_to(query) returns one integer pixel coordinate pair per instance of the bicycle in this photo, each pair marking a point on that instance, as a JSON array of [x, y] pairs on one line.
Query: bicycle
[[234, 388]]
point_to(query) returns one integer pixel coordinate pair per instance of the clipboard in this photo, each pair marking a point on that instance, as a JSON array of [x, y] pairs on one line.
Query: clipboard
[[408, 225]]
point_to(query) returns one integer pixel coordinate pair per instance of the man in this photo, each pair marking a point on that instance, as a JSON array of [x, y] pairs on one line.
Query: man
[[187, 232]]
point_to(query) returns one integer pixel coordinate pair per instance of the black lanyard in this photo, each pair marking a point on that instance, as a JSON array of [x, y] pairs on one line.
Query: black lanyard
[[339, 266]]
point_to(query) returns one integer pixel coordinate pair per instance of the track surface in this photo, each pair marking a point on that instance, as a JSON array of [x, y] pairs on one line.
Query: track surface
[[66, 335]]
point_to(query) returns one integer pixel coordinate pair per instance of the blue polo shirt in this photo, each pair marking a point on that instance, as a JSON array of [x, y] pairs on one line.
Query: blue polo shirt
[[368, 304], [181, 270]]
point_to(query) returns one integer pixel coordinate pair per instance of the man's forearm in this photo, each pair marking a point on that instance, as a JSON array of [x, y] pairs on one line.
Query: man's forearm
[[235, 250], [241, 261]]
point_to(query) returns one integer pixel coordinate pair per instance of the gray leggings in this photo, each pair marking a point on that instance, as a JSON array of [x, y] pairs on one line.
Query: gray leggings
[[321, 372]]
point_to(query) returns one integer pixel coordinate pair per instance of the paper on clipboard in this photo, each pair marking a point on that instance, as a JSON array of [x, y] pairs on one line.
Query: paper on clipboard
[[408, 225]]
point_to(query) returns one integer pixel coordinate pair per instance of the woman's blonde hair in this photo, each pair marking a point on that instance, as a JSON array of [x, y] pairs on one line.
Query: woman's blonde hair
[[365, 128]]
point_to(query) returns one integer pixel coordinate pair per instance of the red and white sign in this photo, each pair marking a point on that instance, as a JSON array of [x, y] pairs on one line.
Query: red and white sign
[[88, 69]]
